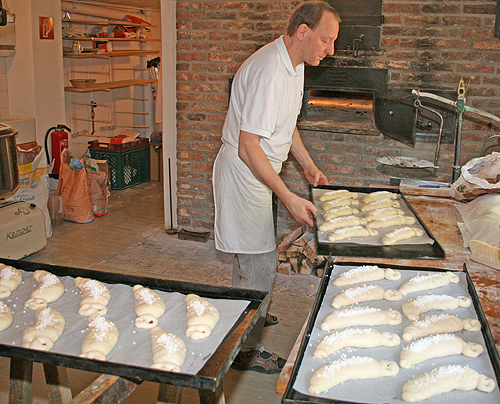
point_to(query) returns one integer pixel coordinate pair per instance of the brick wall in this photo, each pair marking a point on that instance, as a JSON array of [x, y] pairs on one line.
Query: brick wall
[[424, 43]]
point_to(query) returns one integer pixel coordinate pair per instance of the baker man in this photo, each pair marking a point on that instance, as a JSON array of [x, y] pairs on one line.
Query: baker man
[[259, 132]]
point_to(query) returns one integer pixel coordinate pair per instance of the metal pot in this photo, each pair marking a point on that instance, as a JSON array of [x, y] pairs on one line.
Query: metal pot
[[9, 171]]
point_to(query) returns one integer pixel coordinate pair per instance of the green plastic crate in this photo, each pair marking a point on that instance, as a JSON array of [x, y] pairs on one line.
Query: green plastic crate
[[128, 167]]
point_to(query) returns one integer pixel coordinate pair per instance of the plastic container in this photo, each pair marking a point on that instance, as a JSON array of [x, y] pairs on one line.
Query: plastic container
[[56, 208]]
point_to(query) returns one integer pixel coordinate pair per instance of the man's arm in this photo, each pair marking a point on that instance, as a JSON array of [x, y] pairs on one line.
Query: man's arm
[[313, 174], [253, 156]]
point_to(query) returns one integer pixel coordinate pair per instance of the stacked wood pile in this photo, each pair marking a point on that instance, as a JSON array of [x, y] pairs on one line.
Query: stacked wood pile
[[297, 254]]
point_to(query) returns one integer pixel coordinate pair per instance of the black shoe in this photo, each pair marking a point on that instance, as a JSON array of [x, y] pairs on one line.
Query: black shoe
[[258, 361], [270, 320]]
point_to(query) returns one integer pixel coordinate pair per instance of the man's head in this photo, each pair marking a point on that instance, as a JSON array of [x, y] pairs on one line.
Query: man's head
[[314, 27]]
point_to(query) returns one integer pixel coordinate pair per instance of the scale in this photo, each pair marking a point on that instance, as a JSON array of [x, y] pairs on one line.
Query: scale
[[22, 225]]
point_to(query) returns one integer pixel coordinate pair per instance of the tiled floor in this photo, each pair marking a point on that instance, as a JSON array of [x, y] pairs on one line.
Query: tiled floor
[[131, 240]]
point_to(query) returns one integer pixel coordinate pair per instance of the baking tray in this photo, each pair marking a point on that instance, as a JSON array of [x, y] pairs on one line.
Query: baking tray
[[292, 396], [210, 375], [398, 251]]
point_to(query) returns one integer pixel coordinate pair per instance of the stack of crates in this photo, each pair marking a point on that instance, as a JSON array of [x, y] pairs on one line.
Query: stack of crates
[[128, 162]]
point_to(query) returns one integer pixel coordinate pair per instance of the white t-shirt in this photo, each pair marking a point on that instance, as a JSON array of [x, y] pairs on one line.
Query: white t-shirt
[[266, 96]]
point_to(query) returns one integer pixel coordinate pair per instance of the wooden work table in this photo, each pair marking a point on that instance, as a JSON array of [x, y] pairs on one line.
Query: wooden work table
[[440, 216]]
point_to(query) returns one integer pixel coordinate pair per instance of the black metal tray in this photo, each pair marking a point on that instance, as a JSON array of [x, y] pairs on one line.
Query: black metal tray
[[208, 378], [292, 396], [401, 251]]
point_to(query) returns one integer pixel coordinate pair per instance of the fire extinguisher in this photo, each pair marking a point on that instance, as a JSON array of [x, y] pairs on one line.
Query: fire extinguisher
[[59, 142]]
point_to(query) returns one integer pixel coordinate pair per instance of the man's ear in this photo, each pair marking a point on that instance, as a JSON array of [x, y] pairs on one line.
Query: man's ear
[[302, 30]]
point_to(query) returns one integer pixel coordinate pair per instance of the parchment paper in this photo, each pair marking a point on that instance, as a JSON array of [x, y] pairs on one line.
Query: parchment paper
[[134, 344], [388, 389], [372, 240]]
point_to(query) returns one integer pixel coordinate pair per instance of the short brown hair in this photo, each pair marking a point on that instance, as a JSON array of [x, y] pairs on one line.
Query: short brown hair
[[309, 13]]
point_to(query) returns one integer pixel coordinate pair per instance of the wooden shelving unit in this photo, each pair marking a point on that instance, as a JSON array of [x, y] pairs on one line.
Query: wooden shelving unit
[[105, 55], [107, 23], [106, 39], [109, 85]]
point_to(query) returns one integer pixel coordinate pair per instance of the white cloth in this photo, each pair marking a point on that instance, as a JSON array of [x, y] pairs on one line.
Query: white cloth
[[266, 96]]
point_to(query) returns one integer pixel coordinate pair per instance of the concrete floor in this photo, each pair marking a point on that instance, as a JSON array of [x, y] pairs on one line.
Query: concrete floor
[[131, 240]]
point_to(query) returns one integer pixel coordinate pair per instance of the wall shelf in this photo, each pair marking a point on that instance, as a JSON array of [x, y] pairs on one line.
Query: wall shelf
[[109, 85], [107, 23], [106, 39], [105, 55]]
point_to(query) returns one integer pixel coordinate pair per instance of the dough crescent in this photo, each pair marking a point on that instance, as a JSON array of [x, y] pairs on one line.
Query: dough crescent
[[438, 324], [430, 281], [101, 338], [355, 367], [383, 203], [379, 195], [337, 212], [202, 316], [49, 289], [413, 308], [49, 326], [366, 273], [149, 307], [5, 316], [339, 193], [443, 380], [389, 221], [336, 203], [355, 338], [348, 232], [95, 297], [10, 279], [437, 346], [169, 351], [364, 293], [342, 221], [360, 315], [383, 212], [401, 234]]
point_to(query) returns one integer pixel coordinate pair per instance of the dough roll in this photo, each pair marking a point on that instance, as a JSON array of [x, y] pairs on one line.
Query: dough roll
[[365, 273], [443, 380], [95, 297], [355, 367], [201, 317], [49, 326], [403, 233], [169, 351], [148, 306], [364, 293], [101, 338], [49, 289], [354, 338], [348, 232], [337, 212], [336, 194], [5, 316], [379, 195], [336, 203], [342, 221], [383, 212], [360, 315], [389, 221], [383, 203], [430, 281], [10, 279], [437, 346], [438, 324], [413, 308]]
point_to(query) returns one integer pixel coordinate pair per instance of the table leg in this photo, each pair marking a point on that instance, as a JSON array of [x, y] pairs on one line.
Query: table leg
[[21, 373], [169, 394], [106, 389], [57, 384], [212, 397]]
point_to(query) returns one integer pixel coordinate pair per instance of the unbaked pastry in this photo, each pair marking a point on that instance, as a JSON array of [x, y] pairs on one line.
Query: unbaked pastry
[[404, 233], [169, 351], [336, 203], [337, 212], [383, 212], [383, 203], [360, 315], [439, 323], [342, 221], [10, 279], [148, 306], [379, 195], [426, 282], [366, 273], [49, 326], [5, 316], [95, 297], [437, 346], [49, 289], [389, 221], [353, 231], [355, 367], [339, 193], [445, 379], [413, 308], [364, 293], [354, 338], [202, 316], [101, 338]]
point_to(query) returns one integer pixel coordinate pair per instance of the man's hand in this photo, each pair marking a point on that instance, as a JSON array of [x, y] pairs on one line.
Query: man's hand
[[301, 209], [315, 176]]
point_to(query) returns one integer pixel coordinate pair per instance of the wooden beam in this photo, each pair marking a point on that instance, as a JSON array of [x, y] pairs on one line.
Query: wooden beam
[[21, 373], [57, 384], [168, 394], [106, 389]]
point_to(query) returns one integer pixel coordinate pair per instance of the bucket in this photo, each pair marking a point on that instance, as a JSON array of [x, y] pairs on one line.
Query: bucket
[[56, 208]]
